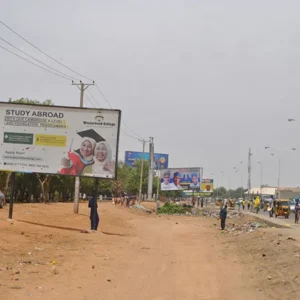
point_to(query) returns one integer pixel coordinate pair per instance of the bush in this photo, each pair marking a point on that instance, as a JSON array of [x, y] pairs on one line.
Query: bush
[[171, 209]]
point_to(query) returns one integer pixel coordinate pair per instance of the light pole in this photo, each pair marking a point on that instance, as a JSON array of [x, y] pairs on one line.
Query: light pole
[[228, 185], [222, 173], [278, 182], [242, 185], [278, 178], [261, 174], [279, 162]]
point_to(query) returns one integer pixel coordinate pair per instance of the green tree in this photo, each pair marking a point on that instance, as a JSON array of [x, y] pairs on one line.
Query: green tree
[[44, 187], [220, 192], [31, 101]]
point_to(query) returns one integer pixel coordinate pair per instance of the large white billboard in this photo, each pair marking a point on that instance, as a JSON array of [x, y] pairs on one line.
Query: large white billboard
[[174, 179], [59, 140]]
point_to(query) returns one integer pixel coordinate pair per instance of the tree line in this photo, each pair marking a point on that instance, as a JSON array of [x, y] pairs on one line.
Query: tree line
[[44, 187]]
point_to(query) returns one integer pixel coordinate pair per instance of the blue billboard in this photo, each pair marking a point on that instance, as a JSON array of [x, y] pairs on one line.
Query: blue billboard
[[161, 161]]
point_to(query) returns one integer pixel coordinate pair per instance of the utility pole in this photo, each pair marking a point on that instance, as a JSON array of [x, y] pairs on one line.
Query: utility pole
[[261, 177], [242, 184], [158, 184], [151, 168], [278, 189], [142, 172], [82, 87], [249, 172]]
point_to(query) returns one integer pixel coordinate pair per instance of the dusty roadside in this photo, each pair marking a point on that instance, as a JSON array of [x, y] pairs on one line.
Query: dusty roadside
[[140, 256]]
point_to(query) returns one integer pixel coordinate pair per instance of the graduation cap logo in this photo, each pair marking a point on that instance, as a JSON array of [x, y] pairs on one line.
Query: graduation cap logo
[[91, 133], [99, 117]]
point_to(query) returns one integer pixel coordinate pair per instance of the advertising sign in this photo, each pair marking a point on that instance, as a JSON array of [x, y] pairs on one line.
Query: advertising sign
[[59, 140], [189, 193], [180, 179], [207, 185], [161, 161]]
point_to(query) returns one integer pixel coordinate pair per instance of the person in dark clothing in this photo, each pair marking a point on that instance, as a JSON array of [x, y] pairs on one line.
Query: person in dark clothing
[[202, 200], [94, 217], [223, 215]]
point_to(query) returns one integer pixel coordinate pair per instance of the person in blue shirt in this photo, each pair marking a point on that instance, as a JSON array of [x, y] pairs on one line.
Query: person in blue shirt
[[223, 216]]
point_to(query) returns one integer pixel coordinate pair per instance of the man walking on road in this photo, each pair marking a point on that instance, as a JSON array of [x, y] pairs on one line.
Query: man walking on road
[[94, 217], [297, 212], [271, 207], [223, 215], [243, 203], [257, 204]]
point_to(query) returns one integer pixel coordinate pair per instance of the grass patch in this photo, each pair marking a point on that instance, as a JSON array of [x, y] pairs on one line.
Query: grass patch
[[173, 209]]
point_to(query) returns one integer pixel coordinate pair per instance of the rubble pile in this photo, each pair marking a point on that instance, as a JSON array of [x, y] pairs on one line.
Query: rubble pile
[[245, 228]]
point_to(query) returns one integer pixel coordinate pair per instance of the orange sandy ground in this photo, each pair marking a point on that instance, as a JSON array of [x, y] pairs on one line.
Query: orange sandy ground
[[45, 255]]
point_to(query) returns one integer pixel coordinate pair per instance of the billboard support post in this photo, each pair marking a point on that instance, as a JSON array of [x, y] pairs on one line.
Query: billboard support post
[[142, 172], [158, 183], [11, 199], [193, 197], [150, 173], [95, 197], [82, 87]]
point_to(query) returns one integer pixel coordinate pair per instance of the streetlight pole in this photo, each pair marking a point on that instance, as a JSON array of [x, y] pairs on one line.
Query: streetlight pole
[[278, 178], [142, 171], [222, 173], [261, 174], [228, 185], [242, 185]]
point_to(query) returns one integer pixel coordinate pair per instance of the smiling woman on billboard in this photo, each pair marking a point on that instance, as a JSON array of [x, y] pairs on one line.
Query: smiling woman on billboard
[[84, 156], [103, 163]]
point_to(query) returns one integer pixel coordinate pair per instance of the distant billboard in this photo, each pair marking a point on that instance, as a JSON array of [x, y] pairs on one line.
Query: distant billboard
[[181, 179], [191, 193], [207, 185], [161, 161]]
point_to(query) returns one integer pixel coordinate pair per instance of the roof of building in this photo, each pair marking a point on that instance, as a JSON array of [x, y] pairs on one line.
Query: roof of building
[[264, 191]]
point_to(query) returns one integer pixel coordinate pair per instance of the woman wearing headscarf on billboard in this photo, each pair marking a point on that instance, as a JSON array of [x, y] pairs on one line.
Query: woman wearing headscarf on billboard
[[84, 156], [103, 163]]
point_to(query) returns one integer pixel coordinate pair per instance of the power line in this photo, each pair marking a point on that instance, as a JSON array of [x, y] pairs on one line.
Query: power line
[[64, 77], [126, 133], [62, 73], [37, 48], [89, 100], [106, 100]]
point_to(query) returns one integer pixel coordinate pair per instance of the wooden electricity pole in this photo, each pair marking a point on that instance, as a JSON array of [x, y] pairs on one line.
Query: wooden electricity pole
[[82, 87]]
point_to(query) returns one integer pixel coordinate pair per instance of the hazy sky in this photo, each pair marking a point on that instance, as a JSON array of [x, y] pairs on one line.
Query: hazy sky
[[207, 79]]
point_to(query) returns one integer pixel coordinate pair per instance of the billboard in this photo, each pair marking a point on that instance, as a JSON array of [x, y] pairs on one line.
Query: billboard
[[59, 140], [207, 185], [161, 161], [190, 193], [181, 179]]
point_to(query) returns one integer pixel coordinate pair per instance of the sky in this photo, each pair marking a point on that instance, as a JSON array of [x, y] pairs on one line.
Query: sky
[[207, 79]]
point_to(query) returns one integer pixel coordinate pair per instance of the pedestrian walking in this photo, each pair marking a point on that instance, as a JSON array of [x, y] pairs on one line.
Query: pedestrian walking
[[94, 217], [271, 207], [297, 212], [257, 204], [239, 205], [248, 204], [244, 204], [251, 205], [202, 200], [223, 216]]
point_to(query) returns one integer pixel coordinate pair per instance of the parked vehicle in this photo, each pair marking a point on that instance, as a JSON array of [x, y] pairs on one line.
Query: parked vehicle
[[2, 200], [292, 205]]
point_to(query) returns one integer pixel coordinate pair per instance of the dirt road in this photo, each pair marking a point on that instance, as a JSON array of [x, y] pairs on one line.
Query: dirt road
[[45, 255]]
